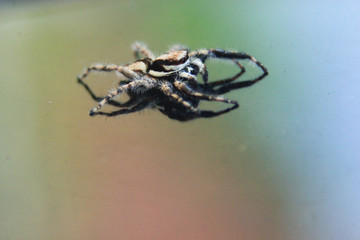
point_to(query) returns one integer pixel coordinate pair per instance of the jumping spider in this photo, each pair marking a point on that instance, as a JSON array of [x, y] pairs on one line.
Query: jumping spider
[[169, 82], [154, 98]]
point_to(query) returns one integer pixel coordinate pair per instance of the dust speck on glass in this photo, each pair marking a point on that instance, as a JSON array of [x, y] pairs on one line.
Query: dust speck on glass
[[169, 82]]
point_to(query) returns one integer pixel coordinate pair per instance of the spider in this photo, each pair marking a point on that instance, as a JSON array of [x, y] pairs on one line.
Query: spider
[[171, 109], [169, 82]]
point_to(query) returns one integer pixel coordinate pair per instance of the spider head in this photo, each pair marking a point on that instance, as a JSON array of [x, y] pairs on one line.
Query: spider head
[[169, 63]]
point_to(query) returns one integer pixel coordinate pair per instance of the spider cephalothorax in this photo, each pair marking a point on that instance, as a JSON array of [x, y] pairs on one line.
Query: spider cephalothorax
[[169, 82]]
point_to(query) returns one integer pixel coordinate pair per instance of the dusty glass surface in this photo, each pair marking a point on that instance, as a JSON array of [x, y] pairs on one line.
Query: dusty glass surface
[[285, 165]]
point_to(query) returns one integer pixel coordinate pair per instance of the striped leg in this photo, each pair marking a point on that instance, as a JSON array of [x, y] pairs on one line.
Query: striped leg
[[109, 97], [145, 84], [141, 48], [167, 89], [185, 88], [107, 68], [132, 101]]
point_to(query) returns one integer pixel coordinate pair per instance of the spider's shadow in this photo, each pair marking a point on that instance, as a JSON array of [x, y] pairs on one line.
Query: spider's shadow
[[156, 99]]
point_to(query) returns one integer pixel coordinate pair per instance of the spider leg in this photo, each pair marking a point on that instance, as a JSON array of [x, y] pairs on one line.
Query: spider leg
[[141, 48], [107, 68], [110, 102], [188, 90], [138, 107], [222, 54], [109, 97], [140, 85], [167, 89]]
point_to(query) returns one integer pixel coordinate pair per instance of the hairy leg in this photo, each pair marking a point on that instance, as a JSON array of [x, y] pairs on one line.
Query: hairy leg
[[188, 90], [140, 48], [134, 86], [168, 90], [107, 68]]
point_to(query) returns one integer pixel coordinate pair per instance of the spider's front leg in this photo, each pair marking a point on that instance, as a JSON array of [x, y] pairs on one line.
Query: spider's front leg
[[97, 67], [141, 48], [107, 68]]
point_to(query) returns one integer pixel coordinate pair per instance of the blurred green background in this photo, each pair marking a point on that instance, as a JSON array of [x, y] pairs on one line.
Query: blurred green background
[[285, 165]]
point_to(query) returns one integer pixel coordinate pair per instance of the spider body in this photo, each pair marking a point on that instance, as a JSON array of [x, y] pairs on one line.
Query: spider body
[[169, 82]]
